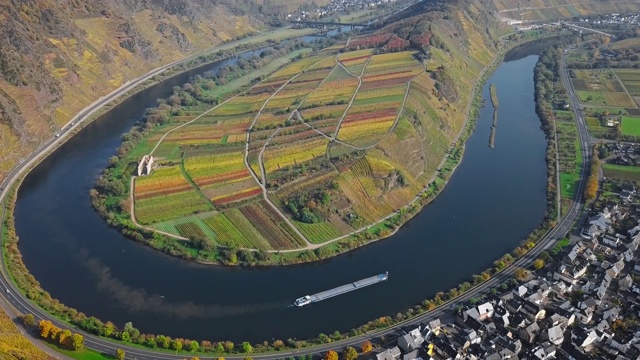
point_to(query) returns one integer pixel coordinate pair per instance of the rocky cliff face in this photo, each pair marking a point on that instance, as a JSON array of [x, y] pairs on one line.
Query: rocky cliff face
[[57, 56]]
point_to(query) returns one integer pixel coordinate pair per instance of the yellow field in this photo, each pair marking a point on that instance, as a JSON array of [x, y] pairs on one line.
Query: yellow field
[[298, 153], [14, 345]]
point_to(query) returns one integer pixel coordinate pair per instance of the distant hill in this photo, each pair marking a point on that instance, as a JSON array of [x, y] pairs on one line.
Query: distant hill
[[536, 10], [58, 56]]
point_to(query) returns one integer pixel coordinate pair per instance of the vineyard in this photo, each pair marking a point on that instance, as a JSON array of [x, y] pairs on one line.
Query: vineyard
[[320, 148]]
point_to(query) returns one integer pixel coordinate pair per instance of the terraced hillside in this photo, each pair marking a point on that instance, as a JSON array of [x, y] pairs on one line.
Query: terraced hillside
[[316, 151], [59, 56], [535, 10]]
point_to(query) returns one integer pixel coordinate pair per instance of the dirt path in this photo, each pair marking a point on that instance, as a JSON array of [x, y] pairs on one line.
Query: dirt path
[[254, 175], [262, 170], [353, 97]]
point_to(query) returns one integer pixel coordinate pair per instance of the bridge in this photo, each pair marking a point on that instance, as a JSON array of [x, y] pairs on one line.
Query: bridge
[[324, 24]]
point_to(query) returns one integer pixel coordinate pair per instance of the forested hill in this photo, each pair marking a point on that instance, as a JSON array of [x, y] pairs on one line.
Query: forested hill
[[58, 56]]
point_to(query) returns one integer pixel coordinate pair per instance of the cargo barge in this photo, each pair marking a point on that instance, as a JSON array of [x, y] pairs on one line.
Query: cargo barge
[[309, 299]]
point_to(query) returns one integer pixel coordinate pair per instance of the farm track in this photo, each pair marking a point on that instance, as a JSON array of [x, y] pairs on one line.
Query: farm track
[[264, 147], [353, 97], [254, 175]]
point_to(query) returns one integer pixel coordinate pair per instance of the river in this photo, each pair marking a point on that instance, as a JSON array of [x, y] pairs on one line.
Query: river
[[495, 198]]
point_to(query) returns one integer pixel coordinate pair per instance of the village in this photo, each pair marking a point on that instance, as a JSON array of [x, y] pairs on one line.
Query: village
[[584, 304], [336, 7]]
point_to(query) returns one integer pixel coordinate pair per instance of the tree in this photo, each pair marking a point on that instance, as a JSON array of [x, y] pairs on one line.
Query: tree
[[163, 341], [366, 347], [120, 355], [176, 345], [247, 348], [538, 264], [521, 273], [54, 333], [64, 337], [45, 327], [77, 342], [350, 353], [29, 319], [331, 355], [193, 346]]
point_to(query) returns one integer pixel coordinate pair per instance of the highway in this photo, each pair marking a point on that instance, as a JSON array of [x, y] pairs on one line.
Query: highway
[[22, 305]]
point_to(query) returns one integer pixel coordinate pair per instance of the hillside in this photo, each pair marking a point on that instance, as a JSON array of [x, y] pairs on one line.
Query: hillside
[[59, 56], [537, 10], [320, 149], [14, 345]]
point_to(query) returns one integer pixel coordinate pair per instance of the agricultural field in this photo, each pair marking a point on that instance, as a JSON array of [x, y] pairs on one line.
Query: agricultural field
[[630, 78], [569, 154], [621, 172], [631, 125], [15, 345], [317, 149], [600, 88]]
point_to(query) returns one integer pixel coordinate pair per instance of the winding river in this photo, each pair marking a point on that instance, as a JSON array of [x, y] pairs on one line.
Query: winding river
[[494, 199]]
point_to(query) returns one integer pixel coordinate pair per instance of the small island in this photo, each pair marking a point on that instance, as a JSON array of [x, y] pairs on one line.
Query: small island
[[494, 124]]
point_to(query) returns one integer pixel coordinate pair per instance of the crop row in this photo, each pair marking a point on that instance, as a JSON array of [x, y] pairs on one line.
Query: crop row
[[282, 157], [235, 196], [164, 180], [171, 206], [203, 167], [364, 129], [318, 232], [228, 234], [269, 227]]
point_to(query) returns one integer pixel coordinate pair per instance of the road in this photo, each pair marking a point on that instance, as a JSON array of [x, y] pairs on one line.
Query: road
[[19, 302], [587, 29]]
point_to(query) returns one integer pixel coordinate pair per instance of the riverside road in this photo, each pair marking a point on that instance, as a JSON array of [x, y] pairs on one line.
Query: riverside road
[[22, 305]]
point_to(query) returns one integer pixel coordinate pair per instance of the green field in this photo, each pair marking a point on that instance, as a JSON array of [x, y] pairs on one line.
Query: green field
[[631, 125], [621, 172]]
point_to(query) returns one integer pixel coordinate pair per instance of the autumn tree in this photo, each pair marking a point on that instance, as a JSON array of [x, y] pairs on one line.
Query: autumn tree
[[331, 355], [538, 264], [64, 337], [55, 333], [366, 347], [521, 273], [45, 327], [228, 346], [350, 353], [278, 344], [591, 187], [29, 319], [120, 355], [176, 345], [77, 342]]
